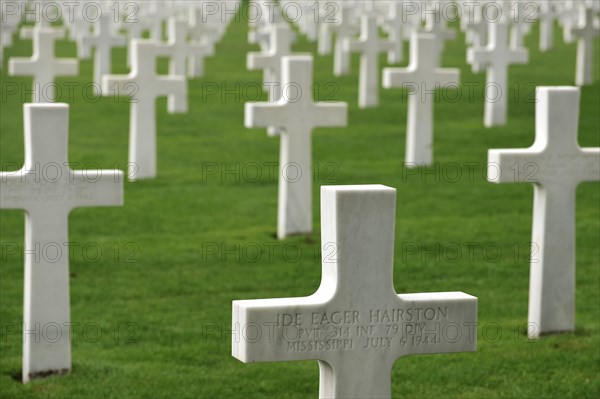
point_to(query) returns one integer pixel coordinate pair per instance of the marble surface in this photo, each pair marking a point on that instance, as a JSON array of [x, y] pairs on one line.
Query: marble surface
[[355, 324], [555, 165], [47, 189]]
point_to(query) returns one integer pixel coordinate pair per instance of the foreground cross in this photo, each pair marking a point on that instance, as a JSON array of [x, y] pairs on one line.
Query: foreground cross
[[47, 189], [421, 77], [556, 165], [298, 115], [355, 325], [497, 56], [43, 65], [369, 45], [143, 85]]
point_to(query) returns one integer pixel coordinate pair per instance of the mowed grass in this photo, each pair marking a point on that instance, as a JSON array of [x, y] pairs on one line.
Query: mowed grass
[[152, 282]]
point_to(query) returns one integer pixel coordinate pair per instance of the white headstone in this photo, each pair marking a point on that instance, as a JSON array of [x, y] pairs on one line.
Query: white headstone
[[182, 52], [280, 44], [143, 85], [43, 65], [556, 165], [298, 115], [422, 76], [103, 41], [521, 22], [281, 39], [586, 32], [369, 45], [204, 35], [325, 33], [47, 189], [344, 29], [395, 24], [547, 16], [436, 24], [476, 29], [497, 57], [568, 17], [355, 325]]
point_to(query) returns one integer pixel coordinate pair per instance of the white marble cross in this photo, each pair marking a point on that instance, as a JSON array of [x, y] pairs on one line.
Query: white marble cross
[[497, 56], [144, 85], [395, 26], [477, 34], [546, 16], [369, 45], [43, 65], [344, 29], [48, 189], [103, 40], [436, 24], [568, 15], [586, 32], [204, 35], [179, 49], [325, 36], [556, 165], [355, 325], [421, 77], [298, 115], [521, 23], [281, 39]]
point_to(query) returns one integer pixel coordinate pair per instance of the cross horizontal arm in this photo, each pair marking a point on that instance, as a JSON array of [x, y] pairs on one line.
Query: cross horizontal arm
[[447, 76], [13, 189], [260, 115], [171, 86], [66, 67], [591, 157], [447, 323], [256, 61], [397, 77], [23, 66], [513, 165], [519, 56], [98, 187], [266, 330], [330, 114], [120, 85]]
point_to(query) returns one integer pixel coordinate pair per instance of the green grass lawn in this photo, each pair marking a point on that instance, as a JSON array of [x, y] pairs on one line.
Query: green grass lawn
[[154, 304]]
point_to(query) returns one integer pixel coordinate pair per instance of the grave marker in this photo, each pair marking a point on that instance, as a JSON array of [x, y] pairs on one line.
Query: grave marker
[[421, 77], [586, 32], [48, 190], [43, 65], [144, 85], [298, 115], [556, 165], [497, 57], [369, 45], [355, 325], [103, 40]]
